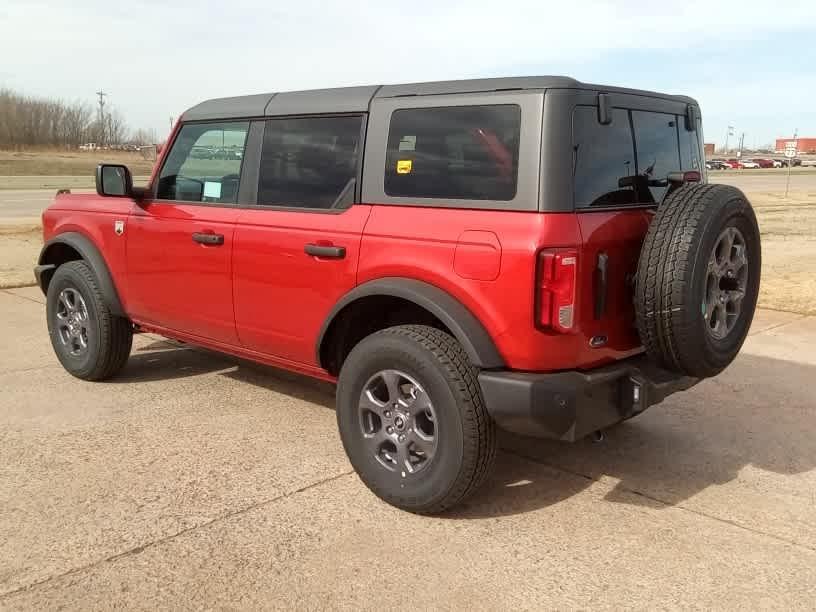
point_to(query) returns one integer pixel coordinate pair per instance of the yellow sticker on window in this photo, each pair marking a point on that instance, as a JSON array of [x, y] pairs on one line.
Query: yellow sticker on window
[[404, 166]]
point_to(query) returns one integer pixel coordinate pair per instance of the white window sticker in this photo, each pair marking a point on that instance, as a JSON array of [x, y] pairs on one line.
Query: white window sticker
[[407, 143], [212, 189]]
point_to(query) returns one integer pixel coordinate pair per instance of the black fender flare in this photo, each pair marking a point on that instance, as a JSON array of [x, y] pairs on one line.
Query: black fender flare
[[463, 324], [92, 256]]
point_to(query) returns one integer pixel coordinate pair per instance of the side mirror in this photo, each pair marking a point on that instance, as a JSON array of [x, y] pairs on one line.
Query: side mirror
[[114, 180]]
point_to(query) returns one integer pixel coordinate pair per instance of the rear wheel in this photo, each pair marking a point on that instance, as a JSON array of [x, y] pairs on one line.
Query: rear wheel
[[90, 342], [412, 420]]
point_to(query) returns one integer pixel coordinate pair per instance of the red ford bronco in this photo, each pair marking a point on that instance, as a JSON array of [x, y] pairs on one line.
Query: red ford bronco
[[535, 254]]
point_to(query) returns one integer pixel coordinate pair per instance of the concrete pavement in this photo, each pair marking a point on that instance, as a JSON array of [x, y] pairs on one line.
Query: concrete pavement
[[194, 480]]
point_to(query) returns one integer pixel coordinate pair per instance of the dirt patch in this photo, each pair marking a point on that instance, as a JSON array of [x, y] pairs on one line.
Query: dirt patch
[[68, 163], [20, 246], [788, 228]]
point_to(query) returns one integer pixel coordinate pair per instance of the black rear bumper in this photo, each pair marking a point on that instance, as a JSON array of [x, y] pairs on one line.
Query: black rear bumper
[[570, 405]]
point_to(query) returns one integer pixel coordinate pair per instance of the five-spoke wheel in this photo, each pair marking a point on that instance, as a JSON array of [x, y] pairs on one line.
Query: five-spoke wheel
[[398, 422], [72, 321], [726, 282]]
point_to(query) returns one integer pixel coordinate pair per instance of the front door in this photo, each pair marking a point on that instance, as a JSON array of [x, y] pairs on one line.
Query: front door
[[296, 252], [180, 244]]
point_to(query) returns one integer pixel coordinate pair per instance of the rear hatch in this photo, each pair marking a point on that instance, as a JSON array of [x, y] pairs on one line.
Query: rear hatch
[[621, 171]]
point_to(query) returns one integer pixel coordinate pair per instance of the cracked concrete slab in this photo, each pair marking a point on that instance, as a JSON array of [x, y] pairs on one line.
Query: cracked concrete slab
[[195, 480]]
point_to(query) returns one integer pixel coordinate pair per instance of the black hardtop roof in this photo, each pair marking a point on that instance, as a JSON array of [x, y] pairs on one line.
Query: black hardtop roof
[[357, 99]]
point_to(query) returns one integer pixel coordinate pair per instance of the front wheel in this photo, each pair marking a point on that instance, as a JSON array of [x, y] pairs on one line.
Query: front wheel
[[412, 419], [90, 342]]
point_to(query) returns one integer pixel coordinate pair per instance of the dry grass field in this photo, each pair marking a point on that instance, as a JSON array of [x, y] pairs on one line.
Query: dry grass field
[[19, 247], [788, 228], [67, 163]]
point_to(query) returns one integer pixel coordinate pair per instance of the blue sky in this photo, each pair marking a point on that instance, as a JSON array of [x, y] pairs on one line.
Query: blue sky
[[751, 64]]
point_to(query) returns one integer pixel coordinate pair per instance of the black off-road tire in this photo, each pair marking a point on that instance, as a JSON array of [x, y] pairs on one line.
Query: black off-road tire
[[108, 338], [673, 279], [466, 444]]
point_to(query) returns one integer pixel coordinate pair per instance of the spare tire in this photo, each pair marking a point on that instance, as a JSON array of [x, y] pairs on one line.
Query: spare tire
[[698, 279]]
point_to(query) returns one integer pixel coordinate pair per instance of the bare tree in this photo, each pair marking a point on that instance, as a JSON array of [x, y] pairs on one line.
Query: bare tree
[[141, 137], [28, 121]]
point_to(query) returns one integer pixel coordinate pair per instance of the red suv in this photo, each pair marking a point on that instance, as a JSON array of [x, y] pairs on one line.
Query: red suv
[[536, 254]]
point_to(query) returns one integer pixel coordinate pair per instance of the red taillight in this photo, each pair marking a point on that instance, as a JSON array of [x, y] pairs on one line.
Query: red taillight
[[557, 276]]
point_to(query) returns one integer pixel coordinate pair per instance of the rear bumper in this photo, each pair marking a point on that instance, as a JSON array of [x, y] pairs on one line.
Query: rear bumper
[[569, 405]]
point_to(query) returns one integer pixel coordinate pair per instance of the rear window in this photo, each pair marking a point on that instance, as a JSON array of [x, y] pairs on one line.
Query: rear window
[[627, 161], [459, 153]]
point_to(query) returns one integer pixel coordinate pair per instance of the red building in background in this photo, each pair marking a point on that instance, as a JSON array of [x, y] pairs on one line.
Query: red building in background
[[803, 145]]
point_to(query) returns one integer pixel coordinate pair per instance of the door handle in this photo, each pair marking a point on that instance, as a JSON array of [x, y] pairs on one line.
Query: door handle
[[325, 251], [209, 239]]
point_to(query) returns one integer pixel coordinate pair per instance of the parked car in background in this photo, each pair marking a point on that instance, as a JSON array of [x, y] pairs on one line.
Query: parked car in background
[[749, 164], [734, 163], [763, 163], [717, 164], [807, 163], [777, 163]]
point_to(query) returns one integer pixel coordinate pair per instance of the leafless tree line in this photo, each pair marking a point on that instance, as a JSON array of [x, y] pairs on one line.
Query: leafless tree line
[[29, 121]]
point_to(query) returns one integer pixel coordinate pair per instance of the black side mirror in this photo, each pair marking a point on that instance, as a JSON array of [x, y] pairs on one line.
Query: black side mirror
[[114, 180]]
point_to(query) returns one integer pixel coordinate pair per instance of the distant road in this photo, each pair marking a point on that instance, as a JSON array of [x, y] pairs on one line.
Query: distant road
[[27, 204], [799, 181]]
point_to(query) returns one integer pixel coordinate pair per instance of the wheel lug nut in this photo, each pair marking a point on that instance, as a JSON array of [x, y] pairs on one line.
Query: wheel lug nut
[[387, 414], [401, 438], [389, 429]]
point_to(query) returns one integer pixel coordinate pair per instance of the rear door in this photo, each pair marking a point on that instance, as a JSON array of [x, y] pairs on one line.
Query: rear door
[[180, 243], [619, 178], [296, 250]]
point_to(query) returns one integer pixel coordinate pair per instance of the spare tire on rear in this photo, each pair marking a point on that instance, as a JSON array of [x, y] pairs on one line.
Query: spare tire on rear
[[698, 279]]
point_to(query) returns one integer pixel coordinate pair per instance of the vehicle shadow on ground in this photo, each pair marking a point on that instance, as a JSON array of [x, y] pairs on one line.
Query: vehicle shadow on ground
[[760, 413], [167, 360]]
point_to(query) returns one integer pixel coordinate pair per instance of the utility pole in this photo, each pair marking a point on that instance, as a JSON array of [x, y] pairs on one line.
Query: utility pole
[[742, 141], [790, 160], [101, 93], [728, 132]]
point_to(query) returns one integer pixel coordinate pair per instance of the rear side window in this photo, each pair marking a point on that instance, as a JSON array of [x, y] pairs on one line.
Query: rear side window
[[459, 153], [310, 162], [627, 161], [657, 153], [204, 164], [689, 146], [604, 155]]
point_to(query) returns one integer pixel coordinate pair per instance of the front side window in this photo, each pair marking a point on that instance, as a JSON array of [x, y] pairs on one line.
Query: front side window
[[462, 152], [310, 162], [204, 164]]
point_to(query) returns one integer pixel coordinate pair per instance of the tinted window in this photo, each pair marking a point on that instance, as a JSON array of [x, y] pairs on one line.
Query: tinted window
[[604, 159], [461, 153], [204, 164], [657, 153], [689, 146], [309, 162]]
